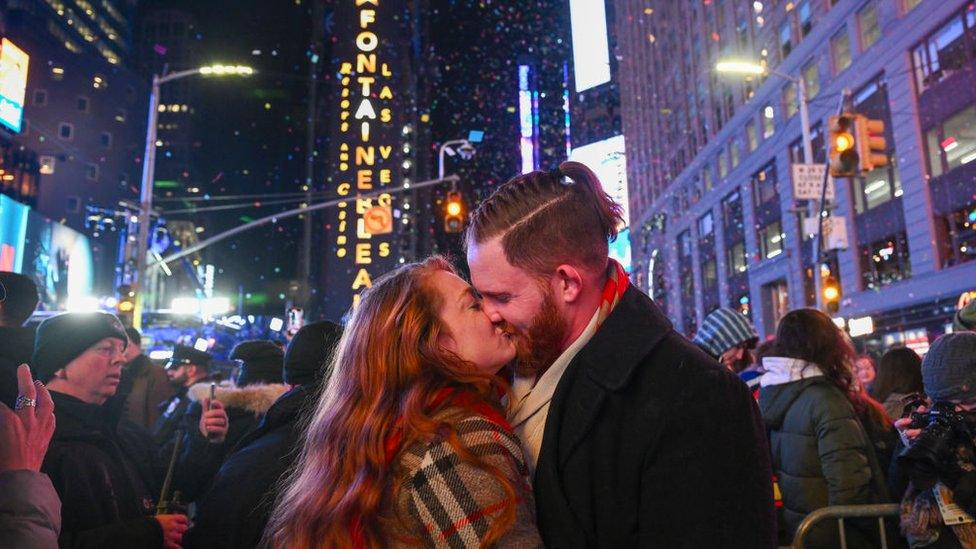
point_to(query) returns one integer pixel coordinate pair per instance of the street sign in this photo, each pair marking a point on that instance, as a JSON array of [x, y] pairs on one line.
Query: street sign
[[834, 231], [807, 180], [378, 220]]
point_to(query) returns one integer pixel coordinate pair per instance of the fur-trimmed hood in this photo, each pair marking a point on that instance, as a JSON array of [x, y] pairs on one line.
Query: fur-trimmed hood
[[253, 398]]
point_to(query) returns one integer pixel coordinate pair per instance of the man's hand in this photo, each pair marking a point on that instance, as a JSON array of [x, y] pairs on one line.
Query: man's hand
[[25, 433], [908, 435], [174, 526], [214, 421]]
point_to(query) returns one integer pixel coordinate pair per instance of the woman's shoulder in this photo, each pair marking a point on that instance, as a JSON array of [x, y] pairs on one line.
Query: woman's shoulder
[[483, 437]]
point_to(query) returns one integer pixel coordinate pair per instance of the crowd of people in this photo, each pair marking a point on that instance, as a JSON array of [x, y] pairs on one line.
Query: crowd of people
[[546, 402]]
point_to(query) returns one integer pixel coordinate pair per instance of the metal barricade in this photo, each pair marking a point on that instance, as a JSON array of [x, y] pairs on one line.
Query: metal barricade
[[841, 512]]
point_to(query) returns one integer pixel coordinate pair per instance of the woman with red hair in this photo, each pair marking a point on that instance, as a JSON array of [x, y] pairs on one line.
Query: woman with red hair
[[409, 443]]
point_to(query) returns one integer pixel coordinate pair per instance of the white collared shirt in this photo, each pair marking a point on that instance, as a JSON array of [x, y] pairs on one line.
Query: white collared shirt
[[532, 398]]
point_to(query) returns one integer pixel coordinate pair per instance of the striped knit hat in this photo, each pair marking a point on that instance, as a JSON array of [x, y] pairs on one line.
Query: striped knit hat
[[723, 329]]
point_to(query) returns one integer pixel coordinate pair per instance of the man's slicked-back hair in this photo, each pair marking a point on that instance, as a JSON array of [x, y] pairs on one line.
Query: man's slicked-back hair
[[546, 219]]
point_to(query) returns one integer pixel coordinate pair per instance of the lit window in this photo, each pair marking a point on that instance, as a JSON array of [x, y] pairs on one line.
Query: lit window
[[885, 261], [47, 164], [944, 51], [840, 50], [771, 240], [812, 76], [804, 18], [57, 73], [952, 144], [867, 20], [789, 100], [769, 121], [734, 153], [751, 139]]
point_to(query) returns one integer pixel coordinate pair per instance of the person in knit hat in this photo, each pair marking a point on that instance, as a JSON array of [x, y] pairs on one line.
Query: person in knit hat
[[965, 319], [104, 468], [227, 515], [949, 377], [260, 362], [729, 337]]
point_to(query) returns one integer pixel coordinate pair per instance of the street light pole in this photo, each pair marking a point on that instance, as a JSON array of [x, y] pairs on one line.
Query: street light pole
[[145, 203], [148, 168]]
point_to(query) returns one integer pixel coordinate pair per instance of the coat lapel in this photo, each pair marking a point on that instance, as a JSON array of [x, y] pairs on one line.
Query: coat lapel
[[635, 326]]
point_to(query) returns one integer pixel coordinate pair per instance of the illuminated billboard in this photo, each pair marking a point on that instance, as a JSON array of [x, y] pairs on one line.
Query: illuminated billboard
[[57, 258], [13, 83], [591, 49], [607, 159]]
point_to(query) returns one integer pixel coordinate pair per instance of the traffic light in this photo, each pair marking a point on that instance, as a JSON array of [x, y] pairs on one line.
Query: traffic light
[[831, 293], [453, 213], [126, 304], [843, 152], [872, 147]]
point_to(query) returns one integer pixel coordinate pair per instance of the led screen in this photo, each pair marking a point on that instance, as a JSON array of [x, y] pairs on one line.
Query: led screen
[[591, 50], [606, 158], [13, 82]]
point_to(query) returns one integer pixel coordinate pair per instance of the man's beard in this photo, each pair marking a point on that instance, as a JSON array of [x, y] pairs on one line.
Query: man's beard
[[540, 346]]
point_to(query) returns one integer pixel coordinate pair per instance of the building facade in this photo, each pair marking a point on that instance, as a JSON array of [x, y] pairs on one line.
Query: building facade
[[710, 158], [84, 120]]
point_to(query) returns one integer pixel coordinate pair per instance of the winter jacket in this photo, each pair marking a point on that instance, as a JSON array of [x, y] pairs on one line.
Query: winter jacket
[[446, 502], [106, 473], [30, 511], [821, 453], [651, 442], [148, 388], [234, 512], [245, 406], [16, 347], [171, 412]]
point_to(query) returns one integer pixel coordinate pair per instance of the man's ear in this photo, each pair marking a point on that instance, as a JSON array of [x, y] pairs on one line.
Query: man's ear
[[568, 283]]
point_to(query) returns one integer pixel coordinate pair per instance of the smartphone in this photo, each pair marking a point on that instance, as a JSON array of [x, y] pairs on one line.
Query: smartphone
[[213, 393]]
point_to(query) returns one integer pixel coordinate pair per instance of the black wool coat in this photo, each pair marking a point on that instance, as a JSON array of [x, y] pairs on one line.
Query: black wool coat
[[650, 442], [106, 473], [236, 509]]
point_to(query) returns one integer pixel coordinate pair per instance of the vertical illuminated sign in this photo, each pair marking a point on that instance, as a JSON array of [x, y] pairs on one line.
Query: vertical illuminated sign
[[365, 150], [566, 117], [528, 101], [13, 82]]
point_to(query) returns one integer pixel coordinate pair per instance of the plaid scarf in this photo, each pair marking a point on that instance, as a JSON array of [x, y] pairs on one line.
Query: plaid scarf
[[445, 397], [613, 291]]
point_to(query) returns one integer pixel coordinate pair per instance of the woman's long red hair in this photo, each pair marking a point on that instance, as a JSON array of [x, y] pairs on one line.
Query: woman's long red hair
[[387, 369]]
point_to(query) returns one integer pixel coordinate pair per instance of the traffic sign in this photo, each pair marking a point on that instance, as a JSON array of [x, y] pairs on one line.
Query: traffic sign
[[378, 220], [807, 181]]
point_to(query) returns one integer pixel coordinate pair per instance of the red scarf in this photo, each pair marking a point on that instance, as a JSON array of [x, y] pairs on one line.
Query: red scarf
[[443, 398], [613, 291]]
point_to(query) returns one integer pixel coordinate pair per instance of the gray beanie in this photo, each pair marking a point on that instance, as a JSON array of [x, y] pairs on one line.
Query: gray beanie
[[949, 368], [723, 329]]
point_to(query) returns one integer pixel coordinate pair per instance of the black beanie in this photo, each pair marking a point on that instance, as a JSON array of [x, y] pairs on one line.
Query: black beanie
[[308, 351], [61, 339], [262, 362]]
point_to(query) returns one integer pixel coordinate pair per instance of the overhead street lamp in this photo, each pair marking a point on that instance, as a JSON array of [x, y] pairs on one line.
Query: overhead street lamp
[[149, 165], [464, 148]]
